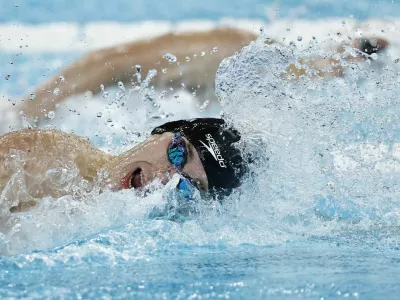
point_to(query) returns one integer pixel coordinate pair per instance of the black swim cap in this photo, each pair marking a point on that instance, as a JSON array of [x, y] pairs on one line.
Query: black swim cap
[[213, 140]]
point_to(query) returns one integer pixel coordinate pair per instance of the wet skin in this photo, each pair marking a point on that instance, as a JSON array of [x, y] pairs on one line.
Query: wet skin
[[140, 165], [34, 152]]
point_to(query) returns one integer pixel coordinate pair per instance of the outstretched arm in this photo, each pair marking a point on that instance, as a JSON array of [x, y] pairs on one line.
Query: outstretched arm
[[108, 66]]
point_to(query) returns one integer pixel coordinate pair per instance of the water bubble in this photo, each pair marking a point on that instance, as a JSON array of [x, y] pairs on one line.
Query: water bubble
[[163, 70], [62, 79], [215, 49], [170, 57], [102, 87], [396, 60], [7, 76], [51, 114], [11, 62], [109, 120], [299, 38], [187, 58], [138, 68], [32, 96], [56, 91], [203, 53], [99, 114]]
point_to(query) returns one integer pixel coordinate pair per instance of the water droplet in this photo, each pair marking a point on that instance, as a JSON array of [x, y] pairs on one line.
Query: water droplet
[[102, 87], [99, 114], [32, 96], [203, 53], [109, 120], [299, 38], [314, 38], [121, 85], [51, 114], [187, 58], [215, 49], [374, 56], [138, 68], [170, 57], [183, 85], [62, 79], [204, 105], [162, 95], [56, 91], [194, 56], [8, 76], [396, 60], [164, 70], [11, 62]]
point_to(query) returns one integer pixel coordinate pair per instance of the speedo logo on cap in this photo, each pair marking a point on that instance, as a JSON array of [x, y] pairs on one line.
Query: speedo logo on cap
[[212, 147]]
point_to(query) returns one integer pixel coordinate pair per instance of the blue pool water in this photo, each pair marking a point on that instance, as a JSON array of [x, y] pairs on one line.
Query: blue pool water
[[319, 220]]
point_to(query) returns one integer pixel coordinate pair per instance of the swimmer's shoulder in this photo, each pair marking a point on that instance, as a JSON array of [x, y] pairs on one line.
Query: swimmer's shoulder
[[30, 139]]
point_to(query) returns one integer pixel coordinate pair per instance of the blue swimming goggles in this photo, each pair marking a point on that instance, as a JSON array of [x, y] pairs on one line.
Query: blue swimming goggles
[[177, 155]]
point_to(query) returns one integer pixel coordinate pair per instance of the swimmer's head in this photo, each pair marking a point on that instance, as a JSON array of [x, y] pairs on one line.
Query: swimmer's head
[[202, 149]]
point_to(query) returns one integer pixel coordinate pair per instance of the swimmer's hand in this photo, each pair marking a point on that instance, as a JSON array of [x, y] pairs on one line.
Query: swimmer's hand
[[177, 207]]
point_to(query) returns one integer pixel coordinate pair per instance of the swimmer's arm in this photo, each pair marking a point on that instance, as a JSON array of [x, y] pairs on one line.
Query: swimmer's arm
[[108, 66]]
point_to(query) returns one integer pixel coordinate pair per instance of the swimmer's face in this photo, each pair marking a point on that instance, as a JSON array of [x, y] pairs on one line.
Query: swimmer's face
[[139, 166]]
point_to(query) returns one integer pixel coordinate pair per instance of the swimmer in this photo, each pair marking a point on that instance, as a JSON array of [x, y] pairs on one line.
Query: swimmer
[[188, 66], [201, 152]]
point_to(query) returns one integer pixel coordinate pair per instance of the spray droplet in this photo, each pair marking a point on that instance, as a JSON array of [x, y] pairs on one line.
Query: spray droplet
[[203, 53], [56, 91], [11, 62], [8, 76], [32, 96], [170, 57], [215, 49], [396, 60], [121, 85], [164, 70], [99, 114], [138, 68], [51, 114], [299, 38], [62, 79], [109, 120], [204, 105], [187, 58]]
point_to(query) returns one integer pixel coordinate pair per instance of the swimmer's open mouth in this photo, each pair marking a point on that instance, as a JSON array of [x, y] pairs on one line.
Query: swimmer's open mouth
[[134, 179]]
